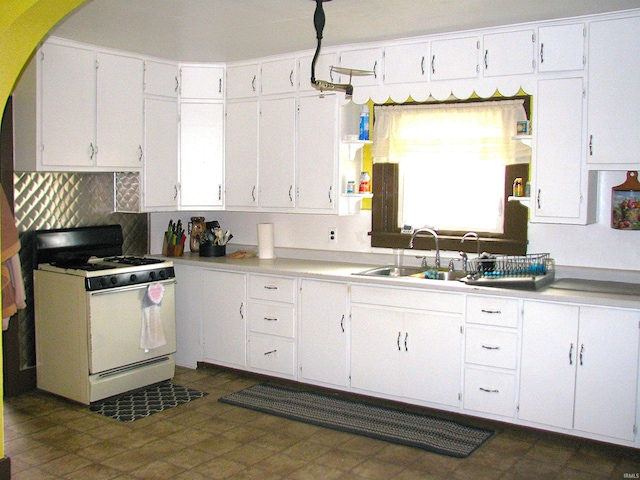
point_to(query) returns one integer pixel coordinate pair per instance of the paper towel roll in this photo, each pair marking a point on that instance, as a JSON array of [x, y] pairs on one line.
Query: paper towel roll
[[266, 247]]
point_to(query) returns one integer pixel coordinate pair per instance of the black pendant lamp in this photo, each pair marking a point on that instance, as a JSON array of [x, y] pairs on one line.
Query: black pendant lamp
[[323, 85]]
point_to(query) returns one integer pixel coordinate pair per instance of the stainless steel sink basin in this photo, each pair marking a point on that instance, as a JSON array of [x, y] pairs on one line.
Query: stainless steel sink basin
[[390, 271], [418, 272]]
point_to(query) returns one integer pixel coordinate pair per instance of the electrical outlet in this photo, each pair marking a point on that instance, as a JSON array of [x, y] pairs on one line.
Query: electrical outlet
[[333, 235]]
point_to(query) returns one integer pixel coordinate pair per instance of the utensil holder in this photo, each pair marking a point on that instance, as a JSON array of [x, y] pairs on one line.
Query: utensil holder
[[208, 249]]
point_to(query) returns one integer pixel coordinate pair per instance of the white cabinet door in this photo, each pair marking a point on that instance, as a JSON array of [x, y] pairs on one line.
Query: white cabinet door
[[607, 380], [509, 53], [201, 154], [278, 77], [223, 297], [120, 116], [548, 363], [454, 59], [188, 315], [613, 103], [561, 48], [316, 154], [160, 172], [276, 153], [432, 367], [376, 350], [368, 59], [241, 154], [323, 70], [323, 332], [68, 123], [201, 82], [560, 188], [243, 81], [406, 63], [161, 79]]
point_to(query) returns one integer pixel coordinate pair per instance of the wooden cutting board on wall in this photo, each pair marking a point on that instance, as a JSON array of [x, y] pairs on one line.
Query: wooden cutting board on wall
[[625, 204]]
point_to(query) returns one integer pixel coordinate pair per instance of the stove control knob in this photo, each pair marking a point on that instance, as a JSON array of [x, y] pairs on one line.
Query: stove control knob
[[103, 282], [113, 280], [152, 276], [163, 274], [133, 277]]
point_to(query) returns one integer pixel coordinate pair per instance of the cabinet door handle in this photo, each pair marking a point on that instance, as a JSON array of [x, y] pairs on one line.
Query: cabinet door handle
[[220, 85], [241, 313], [591, 145], [92, 151], [490, 347], [342, 323], [253, 83], [406, 337], [330, 192], [542, 53], [270, 287], [486, 59], [271, 352], [571, 354], [140, 153], [290, 190], [491, 312], [291, 78], [177, 84], [489, 390], [433, 64], [175, 192], [581, 353], [270, 319], [422, 65], [253, 193], [538, 198], [375, 69], [398, 341]]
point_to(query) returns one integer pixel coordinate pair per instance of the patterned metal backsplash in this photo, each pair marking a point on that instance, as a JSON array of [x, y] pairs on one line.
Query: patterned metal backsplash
[[64, 200]]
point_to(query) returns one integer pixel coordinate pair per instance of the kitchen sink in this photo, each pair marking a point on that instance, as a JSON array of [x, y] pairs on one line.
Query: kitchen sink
[[415, 272]]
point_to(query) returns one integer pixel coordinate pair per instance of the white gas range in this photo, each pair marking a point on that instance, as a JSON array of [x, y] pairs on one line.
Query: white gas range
[[105, 323]]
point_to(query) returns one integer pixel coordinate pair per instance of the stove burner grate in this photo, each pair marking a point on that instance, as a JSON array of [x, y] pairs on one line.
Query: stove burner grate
[[135, 261]]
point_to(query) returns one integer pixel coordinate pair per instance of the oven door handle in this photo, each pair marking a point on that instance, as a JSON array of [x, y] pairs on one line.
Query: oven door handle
[[132, 287]]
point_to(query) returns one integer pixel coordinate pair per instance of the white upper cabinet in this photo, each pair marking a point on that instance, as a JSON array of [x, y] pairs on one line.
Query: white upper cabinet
[[406, 63], [241, 154], [201, 154], [454, 59], [323, 70], [368, 59], [561, 185], [120, 115], [561, 48], [316, 154], [161, 79], [509, 53], [243, 81], [200, 82], [279, 77], [68, 103], [613, 100]]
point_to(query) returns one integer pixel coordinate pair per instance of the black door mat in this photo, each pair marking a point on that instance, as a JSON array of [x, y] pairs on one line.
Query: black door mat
[[422, 431], [142, 402]]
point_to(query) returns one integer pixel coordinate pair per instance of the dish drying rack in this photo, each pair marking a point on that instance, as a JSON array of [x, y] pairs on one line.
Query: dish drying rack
[[531, 271]]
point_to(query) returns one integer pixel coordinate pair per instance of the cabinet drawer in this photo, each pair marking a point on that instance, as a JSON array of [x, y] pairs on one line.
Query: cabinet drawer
[[272, 354], [501, 312], [276, 289], [491, 348], [393, 297], [490, 392], [271, 319]]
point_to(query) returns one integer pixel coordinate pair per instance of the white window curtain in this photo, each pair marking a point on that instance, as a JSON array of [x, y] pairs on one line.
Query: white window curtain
[[443, 132]]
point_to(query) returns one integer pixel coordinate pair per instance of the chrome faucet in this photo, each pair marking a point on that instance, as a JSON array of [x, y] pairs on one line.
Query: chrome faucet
[[435, 236], [465, 258]]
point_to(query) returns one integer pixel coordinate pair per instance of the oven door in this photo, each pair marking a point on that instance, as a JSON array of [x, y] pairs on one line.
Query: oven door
[[115, 326]]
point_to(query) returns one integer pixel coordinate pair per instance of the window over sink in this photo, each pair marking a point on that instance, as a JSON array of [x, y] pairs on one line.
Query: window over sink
[[450, 165]]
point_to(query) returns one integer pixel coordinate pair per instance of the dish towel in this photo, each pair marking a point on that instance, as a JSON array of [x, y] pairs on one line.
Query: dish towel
[[152, 334], [13, 293]]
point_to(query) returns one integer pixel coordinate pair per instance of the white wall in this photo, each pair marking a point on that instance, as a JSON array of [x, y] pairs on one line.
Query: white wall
[[591, 246]]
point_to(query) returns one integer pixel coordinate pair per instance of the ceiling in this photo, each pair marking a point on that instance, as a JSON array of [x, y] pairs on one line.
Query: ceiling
[[232, 30]]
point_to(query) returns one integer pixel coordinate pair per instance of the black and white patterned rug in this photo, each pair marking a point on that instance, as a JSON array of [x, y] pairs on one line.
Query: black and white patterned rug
[[429, 433], [142, 402]]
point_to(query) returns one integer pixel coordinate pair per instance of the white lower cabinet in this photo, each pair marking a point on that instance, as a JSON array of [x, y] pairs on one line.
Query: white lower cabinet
[[324, 332], [407, 352], [188, 315], [271, 329], [580, 368], [224, 318]]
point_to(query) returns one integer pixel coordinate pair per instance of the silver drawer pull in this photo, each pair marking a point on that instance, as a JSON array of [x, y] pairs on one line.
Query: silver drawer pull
[[489, 390], [270, 352], [489, 347], [491, 311], [270, 319], [270, 287]]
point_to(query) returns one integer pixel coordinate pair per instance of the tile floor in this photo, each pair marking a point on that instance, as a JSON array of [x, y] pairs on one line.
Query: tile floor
[[50, 438]]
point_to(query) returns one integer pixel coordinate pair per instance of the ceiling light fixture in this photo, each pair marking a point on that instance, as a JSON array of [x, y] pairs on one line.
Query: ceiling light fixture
[[323, 85]]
